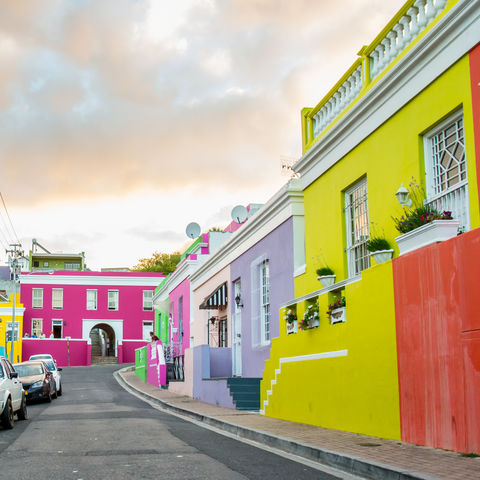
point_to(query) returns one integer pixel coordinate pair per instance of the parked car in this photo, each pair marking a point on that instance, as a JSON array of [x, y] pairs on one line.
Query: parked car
[[37, 380], [42, 356], [52, 366], [12, 395]]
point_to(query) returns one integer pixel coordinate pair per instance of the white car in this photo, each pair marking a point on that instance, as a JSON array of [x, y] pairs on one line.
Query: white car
[[12, 395], [52, 366]]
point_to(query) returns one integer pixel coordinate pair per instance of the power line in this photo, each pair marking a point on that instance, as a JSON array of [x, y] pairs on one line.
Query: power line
[[9, 219]]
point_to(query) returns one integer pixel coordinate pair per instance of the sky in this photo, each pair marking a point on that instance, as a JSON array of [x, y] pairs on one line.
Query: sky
[[121, 121]]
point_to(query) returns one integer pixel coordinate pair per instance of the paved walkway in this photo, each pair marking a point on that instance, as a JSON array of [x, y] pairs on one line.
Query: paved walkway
[[356, 454]]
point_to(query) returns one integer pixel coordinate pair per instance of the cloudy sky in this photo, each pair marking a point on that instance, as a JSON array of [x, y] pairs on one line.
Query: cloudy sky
[[121, 121]]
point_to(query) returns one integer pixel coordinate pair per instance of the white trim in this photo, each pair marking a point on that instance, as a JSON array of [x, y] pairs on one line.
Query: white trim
[[8, 311], [300, 270], [449, 40], [300, 358], [185, 270], [49, 279], [89, 323], [65, 339], [286, 203]]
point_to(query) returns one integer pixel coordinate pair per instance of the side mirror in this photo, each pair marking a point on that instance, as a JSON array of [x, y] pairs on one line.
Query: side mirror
[[13, 374], [59, 369]]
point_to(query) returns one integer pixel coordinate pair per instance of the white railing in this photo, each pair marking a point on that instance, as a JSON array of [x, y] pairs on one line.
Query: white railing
[[407, 28], [340, 99], [455, 201]]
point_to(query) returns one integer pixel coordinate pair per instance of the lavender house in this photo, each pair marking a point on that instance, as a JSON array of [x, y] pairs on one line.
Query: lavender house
[[247, 279]]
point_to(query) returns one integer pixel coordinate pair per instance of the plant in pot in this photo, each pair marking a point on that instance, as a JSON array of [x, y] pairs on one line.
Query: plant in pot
[[337, 311], [326, 276], [311, 317], [379, 249], [290, 318]]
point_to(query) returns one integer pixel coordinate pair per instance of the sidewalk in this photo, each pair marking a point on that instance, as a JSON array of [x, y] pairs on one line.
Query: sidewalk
[[360, 455]]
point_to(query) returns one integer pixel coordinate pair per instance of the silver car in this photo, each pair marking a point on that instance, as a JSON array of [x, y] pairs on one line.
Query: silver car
[[12, 396], [52, 366]]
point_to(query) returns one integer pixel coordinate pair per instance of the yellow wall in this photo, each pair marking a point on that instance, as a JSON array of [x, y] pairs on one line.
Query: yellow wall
[[6, 316], [359, 392]]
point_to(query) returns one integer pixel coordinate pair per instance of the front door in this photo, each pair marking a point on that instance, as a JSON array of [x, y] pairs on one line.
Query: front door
[[237, 331]]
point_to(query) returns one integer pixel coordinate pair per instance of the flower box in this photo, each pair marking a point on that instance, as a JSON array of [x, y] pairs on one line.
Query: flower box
[[338, 315], [433, 232], [292, 327], [326, 280], [381, 256], [313, 323]]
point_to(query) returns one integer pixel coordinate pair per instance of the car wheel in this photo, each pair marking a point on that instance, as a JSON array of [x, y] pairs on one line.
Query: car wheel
[[22, 413], [59, 392], [7, 415]]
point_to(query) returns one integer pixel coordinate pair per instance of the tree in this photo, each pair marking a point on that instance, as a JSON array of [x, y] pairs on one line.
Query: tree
[[158, 262]]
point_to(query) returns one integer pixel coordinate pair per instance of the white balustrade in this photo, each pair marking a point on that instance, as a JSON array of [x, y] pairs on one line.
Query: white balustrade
[[408, 27]]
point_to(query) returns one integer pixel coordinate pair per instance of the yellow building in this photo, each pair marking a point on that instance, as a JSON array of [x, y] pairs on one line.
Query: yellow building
[[398, 116], [6, 313]]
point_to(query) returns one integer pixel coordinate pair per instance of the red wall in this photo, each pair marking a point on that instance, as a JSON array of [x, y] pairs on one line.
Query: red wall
[[437, 305], [474, 59]]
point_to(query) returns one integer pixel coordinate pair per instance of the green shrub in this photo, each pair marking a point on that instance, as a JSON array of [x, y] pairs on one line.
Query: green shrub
[[321, 272]]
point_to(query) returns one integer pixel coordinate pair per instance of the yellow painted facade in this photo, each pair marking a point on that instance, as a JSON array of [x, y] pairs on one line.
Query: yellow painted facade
[[357, 390], [6, 316]]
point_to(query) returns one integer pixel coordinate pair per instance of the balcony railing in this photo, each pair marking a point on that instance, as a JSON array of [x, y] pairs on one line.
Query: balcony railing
[[400, 32]]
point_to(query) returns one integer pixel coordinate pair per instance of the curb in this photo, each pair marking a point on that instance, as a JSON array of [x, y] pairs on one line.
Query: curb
[[344, 462]]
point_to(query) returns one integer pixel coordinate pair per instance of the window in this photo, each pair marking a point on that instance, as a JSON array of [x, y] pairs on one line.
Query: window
[[113, 299], [222, 333], [265, 301], [57, 298], [147, 328], [72, 266], [37, 297], [356, 218], [37, 326], [91, 299], [446, 169], [45, 264], [9, 331], [148, 300]]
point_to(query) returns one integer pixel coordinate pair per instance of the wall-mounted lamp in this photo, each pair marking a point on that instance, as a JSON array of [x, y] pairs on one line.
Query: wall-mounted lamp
[[238, 300], [402, 197], [212, 320]]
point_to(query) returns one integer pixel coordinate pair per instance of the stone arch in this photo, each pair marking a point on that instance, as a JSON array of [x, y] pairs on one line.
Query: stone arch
[[102, 337]]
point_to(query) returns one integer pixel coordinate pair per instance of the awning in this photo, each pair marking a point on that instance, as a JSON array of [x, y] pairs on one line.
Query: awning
[[219, 298]]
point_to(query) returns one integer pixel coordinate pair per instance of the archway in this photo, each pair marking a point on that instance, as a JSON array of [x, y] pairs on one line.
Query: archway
[[104, 345]]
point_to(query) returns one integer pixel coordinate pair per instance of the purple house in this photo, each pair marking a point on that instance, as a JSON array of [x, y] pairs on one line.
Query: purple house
[[238, 292], [83, 316]]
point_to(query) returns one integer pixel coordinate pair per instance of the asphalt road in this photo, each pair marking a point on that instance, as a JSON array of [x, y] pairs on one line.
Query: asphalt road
[[97, 430]]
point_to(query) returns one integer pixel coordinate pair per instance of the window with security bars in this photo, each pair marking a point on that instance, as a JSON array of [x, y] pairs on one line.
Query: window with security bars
[[37, 297], [446, 170], [356, 217], [57, 298], [265, 300]]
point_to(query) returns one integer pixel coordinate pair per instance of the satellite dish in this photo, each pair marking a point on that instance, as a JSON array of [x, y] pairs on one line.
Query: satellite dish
[[239, 214], [193, 230]]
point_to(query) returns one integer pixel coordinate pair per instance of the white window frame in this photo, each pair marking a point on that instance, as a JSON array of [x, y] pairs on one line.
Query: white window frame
[[147, 300], [72, 266], [265, 316], [150, 329], [16, 330], [57, 303], [357, 254], [115, 300], [36, 330], [89, 301], [454, 198], [37, 302]]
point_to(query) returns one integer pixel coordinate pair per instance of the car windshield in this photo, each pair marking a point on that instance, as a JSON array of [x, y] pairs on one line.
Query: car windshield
[[28, 370], [39, 357], [50, 365]]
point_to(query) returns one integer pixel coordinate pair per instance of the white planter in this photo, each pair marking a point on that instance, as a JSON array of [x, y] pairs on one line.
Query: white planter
[[436, 231], [381, 256], [338, 315], [326, 280], [292, 327], [313, 324]]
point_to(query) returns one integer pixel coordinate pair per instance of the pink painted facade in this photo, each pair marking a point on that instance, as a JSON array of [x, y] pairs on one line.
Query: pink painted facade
[[67, 353], [129, 318], [156, 367]]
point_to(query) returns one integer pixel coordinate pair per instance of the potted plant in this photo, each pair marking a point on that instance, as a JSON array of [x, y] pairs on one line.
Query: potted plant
[[290, 318], [379, 249], [421, 224], [326, 276], [337, 311], [311, 317]]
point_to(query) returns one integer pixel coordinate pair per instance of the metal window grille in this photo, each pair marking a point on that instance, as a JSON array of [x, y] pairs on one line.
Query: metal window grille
[[447, 183], [222, 333], [37, 298], [356, 217], [265, 300]]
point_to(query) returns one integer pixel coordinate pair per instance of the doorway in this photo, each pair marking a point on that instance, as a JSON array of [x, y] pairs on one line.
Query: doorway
[[102, 337], [237, 330]]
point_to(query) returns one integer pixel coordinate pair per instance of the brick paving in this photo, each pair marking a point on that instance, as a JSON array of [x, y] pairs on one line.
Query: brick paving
[[424, 461]]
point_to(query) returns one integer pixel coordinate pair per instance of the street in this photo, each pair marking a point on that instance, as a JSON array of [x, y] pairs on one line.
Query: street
[[98, 430]]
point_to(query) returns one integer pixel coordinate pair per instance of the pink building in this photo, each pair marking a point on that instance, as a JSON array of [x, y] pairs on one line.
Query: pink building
[[87, 314]]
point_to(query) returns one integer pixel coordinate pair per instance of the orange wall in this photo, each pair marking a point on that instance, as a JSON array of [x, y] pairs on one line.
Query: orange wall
[[437, 307]]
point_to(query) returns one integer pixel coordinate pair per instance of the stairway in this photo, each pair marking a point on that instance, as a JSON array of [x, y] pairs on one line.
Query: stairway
[[245, 392], [97, 357], [99, 360]]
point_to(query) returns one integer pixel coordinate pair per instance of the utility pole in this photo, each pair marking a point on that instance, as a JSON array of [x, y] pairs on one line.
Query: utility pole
[[14, 254]]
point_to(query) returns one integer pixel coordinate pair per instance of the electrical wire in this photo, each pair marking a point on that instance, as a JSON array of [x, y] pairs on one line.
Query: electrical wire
[[9, 219]]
